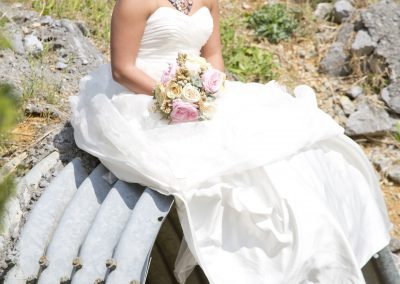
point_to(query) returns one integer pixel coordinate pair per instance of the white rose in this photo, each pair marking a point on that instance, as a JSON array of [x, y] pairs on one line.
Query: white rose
[[196, 63], [196, 60], [190, 94]]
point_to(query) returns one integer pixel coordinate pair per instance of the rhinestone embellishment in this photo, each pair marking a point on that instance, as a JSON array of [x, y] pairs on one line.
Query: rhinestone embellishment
[[183, 6]]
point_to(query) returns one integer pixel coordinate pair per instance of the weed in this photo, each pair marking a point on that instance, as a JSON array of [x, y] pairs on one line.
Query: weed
[[7, 190], [246, 61], [35, 86], [397, 132], [274, 22], [8, 111], [4, 42]]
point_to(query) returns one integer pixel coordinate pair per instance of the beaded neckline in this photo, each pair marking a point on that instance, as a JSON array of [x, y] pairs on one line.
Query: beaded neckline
[[183, 6]]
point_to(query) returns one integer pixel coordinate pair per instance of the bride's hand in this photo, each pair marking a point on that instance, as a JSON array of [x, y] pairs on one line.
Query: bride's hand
[[127, 27]]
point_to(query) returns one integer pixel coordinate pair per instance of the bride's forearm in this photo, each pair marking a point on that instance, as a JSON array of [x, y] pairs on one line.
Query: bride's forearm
[[134, 79], [216, 61]]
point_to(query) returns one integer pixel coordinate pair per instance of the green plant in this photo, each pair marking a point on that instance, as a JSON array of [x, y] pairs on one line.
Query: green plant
[[274, 22], [4, 42], [8, 111], [246, 61], [7, 190], [397, 132]]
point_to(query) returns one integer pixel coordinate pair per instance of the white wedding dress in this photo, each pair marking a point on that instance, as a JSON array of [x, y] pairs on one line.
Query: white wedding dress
[[268, 191]]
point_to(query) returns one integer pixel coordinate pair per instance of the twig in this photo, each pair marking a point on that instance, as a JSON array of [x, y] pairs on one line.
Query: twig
[[44, 7], [394, 142], [22, 134]]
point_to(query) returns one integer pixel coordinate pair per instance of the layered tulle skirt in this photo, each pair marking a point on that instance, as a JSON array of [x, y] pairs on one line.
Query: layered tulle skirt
[[268, 191]]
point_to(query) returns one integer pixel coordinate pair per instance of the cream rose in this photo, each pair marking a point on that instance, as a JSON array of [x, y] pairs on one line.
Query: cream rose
[[173, 90], [190, 94]]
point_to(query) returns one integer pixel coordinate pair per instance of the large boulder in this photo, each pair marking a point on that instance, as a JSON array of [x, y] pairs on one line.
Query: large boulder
[[382, 21]]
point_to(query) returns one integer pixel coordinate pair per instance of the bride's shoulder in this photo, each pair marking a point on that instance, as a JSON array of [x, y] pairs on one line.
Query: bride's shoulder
[[211, 3], [134, 8]]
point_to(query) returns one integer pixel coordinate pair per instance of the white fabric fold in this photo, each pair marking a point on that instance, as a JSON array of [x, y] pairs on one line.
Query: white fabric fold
[[268, 191]]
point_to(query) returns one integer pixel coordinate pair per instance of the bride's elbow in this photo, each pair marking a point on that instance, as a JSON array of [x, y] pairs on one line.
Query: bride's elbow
[[117, 74]]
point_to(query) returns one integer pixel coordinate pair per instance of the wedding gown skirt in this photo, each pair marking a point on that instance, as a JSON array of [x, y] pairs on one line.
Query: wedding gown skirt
[[268, 191]]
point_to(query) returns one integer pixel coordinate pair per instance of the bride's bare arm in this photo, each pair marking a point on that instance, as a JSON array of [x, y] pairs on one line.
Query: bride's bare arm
[[212, 50], [127, 27]]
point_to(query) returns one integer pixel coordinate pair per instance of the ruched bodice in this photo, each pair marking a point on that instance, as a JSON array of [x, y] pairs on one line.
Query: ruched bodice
[[168, 32]]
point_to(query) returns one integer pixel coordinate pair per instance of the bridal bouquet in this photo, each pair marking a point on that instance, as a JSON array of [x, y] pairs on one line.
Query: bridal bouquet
[[187, 90]]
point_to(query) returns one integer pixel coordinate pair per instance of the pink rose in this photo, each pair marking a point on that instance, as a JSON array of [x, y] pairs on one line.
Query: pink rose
[[169, 73], [212, 80], [183, 111]]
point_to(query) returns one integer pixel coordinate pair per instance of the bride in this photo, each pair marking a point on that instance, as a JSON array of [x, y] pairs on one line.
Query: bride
[[268, 191]]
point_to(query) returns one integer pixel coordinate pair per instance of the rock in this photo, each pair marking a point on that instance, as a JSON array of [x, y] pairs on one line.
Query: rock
[[381, 161], [394, 173], [43, 184], [25, 30], [335, 63], [347, 105], [36, 25], [74, 40], [354, 92], [33, 45], [17, 44], [382, 20], [61, 65], [342, 10], [394, 245], [363, 44], [391, 96], [82, 28], [46, 21], [396, 259], [358, 23], [377, 64], [323, 10], [19, 16], [42, 110], [345, 33], [369, 119]]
